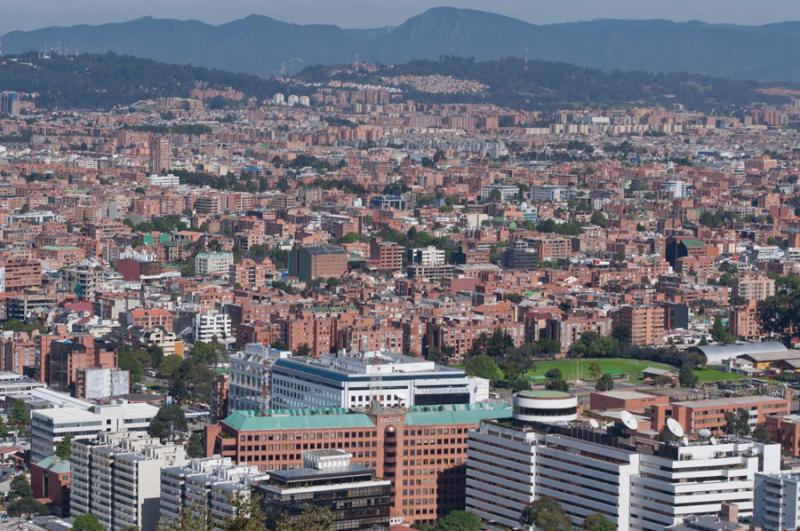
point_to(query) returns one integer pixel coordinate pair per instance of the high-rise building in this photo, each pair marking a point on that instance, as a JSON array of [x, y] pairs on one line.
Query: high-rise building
[[205, 487], [646, 323], [777, 501], [9, 103], [213, 325], [635, 482], [309, 263], [50, 426], [358, 379], [212, 263], [420, 450], [250, 372], [160, 155], [117, 478]]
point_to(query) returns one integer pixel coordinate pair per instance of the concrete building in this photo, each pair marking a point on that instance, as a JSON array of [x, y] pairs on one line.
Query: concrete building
[[66, 357], [50, 426], [250, 372], [385, 256], [753, 287], [328, 479], [777, 501], [99, 383], [358, 379], [206, 484], [503, 192], [212, 325], [160, 154], [678, 189], [169, 180], [427, 256], [117, 478], [212, 263], [633, 481], [420, 450], [15, 385]]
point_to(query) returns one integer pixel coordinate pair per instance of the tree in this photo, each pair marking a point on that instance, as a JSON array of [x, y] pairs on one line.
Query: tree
[[311, 519], [168, 422], [169, 364], [686, 376], [195, 447], [27, 506], [738, 422], [622, 333], [247, 515], [557, 385], [19, 416], [64, 447], [3, 428], [554, 374], [605, 383], [597, 522], [128, 361], [595, 372], [19, 487], [87, 522], [599, 219], [547, 515], [303, 350], [191, 518], [484, 367], [720, 333], [455, 521], [760, 433]]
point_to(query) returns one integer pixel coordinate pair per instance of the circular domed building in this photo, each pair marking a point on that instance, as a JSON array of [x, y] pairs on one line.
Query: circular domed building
[[545, 406]]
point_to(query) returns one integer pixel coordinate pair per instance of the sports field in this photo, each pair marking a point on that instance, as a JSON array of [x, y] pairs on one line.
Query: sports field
[[569, 367]]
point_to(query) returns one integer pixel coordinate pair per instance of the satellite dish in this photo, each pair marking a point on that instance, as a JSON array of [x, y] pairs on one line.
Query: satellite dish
[[675, 428], [629, 420], [705, 433], [594, 424]]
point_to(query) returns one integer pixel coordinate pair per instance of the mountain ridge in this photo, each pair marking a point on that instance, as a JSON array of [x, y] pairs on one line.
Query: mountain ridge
[[265, 46]]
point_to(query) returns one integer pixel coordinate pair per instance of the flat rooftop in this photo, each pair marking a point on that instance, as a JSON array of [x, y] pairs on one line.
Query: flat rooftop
[[626, 395], [731, 401]]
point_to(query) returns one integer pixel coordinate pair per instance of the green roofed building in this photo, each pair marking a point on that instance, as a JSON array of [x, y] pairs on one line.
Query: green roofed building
[[418, 448]]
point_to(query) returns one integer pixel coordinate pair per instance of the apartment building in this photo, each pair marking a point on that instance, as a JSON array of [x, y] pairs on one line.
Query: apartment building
[[358, 379], [420, 450], [205, 486], [67, 356], [50, 426], [21, 274], [753, 286], [777, 501], [646, 323], [385, 256], [308, 263], [212, 263], [250, 372], [212, 325], [117, 478]]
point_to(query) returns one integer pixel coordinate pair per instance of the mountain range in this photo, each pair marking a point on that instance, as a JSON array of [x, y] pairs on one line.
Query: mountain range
[[264, 46]]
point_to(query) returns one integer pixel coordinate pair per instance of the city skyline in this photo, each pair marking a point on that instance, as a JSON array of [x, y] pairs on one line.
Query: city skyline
[[18, 15]]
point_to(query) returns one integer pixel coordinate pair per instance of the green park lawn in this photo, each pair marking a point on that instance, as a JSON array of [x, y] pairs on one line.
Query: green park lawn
[[633, 368]]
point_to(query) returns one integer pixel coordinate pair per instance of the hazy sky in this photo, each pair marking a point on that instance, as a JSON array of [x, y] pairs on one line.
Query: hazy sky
[[30, 14]]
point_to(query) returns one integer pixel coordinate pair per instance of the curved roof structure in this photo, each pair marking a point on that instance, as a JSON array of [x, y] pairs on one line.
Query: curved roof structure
[[716, 354]]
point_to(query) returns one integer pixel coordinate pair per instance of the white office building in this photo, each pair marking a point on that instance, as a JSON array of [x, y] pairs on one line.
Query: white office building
[[549, 193], [117, 478], [164, 180], [428, 256], [15, 385], [250, 372], [633, 481], [777, 501], [766, 253], [209, 484], [357, 379], [678, 189], [503, 192], [212, 325], [212, 263], [50, 426]]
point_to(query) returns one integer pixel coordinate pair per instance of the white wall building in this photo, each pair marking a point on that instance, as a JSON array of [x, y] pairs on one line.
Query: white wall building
[[50, 426], [211, 325], [212, 263], [428, 256], [678, 189], [105, 383], [777, 501], [356, 380], [117, 478], [250, 374], [513, 462], [208, 483], [164, 180], [504, 191]]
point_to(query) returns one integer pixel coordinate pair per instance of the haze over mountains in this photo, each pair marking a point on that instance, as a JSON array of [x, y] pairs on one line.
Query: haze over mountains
[[264, 46]]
